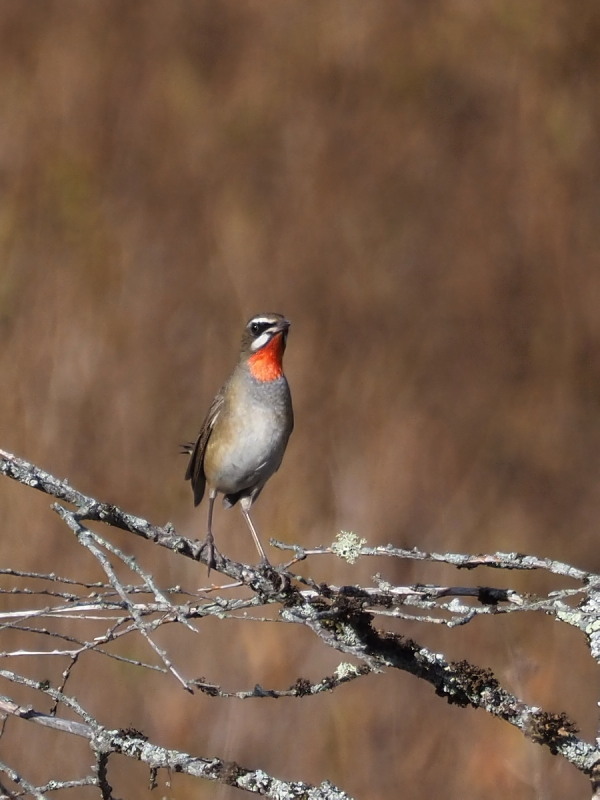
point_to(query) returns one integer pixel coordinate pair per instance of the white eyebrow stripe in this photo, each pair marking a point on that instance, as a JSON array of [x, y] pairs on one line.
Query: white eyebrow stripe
[[263, 320]]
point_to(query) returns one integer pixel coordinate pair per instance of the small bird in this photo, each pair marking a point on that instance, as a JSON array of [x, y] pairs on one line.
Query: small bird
[[243, 438]]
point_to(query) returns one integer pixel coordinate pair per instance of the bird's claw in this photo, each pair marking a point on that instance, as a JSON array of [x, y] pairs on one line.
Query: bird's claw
[[207, 549], [276, 575]]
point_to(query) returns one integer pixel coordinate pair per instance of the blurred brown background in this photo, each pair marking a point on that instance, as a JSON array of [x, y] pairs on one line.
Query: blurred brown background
[[416, 185]]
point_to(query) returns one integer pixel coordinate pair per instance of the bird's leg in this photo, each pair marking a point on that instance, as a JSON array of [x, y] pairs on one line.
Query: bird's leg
[[209, 542], [283, 582], [245, 506]]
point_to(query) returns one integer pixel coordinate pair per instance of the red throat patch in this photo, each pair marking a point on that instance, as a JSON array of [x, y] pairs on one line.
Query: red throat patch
[[265, 365]]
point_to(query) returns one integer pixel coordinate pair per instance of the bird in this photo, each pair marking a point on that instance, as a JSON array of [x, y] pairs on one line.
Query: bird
[[245, 433]]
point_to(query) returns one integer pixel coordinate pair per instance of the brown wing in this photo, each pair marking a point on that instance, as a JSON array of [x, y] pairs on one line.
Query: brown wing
[[195, 469]]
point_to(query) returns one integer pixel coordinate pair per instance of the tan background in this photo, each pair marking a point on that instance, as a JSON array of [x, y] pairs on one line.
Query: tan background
[[416, 185]]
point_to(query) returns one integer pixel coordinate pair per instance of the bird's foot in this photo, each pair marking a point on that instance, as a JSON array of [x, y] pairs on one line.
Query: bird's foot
[[277, 575], [207, 549]]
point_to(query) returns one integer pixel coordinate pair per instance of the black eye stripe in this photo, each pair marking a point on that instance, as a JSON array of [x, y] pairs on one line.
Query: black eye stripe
[[256, 328]]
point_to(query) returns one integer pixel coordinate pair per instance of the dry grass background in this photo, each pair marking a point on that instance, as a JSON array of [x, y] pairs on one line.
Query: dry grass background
[[416, 186]]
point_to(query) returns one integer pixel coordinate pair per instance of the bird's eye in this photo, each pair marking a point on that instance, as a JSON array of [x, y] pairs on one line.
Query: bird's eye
[[258, 327]]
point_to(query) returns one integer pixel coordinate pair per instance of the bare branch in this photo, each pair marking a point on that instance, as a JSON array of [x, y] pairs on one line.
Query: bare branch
[[509, 561], [341, 616], [135, 745], [20, 781]]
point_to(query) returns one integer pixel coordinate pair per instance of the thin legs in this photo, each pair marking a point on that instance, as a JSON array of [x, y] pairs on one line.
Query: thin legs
[[209, 540], [209, 543], [245, 511]]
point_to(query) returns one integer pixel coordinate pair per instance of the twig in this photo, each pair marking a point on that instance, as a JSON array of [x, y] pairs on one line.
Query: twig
[[301, 688], [136, 746], [518, 561], [17, 778], [89, 540]]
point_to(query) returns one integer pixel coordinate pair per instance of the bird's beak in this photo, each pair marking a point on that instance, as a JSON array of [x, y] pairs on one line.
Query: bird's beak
[[282, 327]]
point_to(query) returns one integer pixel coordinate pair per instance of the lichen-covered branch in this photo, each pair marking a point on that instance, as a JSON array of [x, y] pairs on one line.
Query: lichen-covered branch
[[135, 745], [343, 617]]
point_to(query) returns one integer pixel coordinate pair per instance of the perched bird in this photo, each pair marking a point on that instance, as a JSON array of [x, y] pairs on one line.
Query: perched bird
[[243, 438]]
